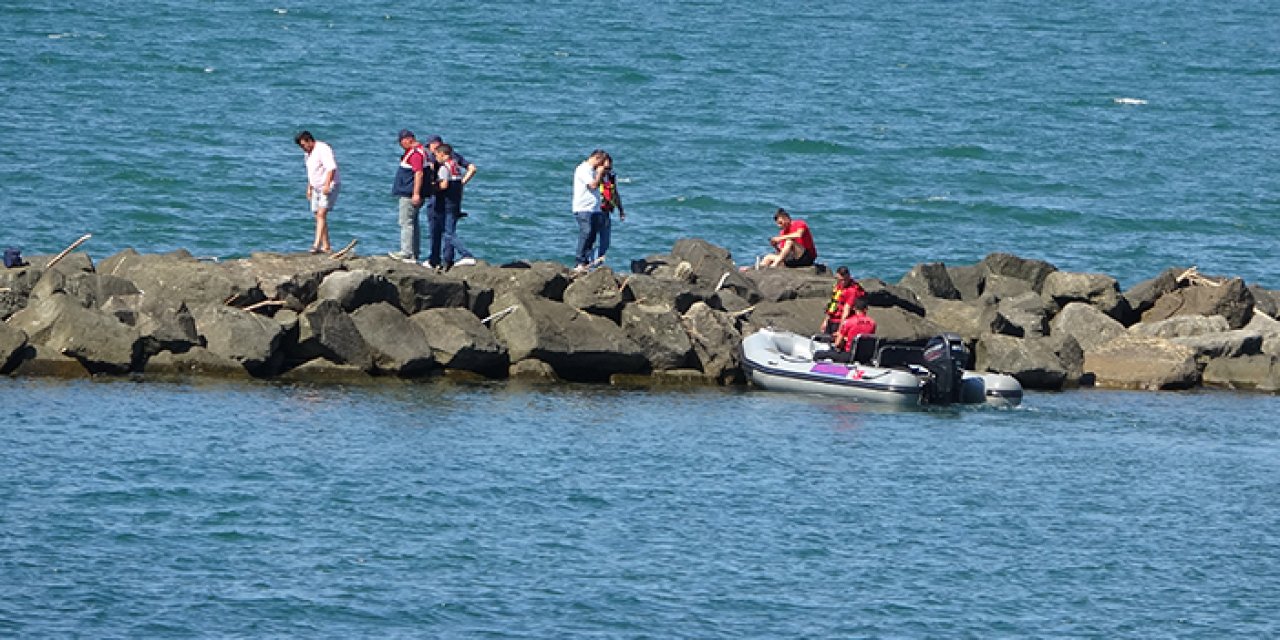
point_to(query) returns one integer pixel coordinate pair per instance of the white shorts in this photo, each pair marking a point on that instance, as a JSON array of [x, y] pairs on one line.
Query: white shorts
[[320, 200]]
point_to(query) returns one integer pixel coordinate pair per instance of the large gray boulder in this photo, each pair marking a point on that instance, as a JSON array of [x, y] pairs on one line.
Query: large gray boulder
[[87, 289], [1231, 300], [293, 279], [710, 266], [1088, 325], [98, 340], [459, 341], [999, 287], [969, 280], [930, 280], [536, 279], [242, 336], [896, 324], [15, 288], [177, 277], [1095, 289], [1140, 362], [195, 361], [881, 294], [1265, 300], [716, 343], [326, 331], [357, 288], [1023, 315], [660, 333], [578, 345], [1034, 272], [1269, 329], [1142, 296], [1181, 326], [775, 285], [420, 288], [598, 293], [397, 344], [1228, 344], [12, 343], [955, 316], [1255, 372], [1034, 361], [677, 295], [801, 315]]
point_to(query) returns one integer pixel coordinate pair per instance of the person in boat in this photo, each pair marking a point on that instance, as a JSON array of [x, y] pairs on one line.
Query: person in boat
[[794, 243], [844, 294], [857, 324]]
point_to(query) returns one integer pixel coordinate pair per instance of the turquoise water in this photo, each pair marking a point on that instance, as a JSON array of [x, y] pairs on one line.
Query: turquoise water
[[437, 511], [907, 132], [920, 131]]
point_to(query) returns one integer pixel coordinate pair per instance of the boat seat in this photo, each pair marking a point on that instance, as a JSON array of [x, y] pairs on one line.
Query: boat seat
[[896, 355], [864, 349]]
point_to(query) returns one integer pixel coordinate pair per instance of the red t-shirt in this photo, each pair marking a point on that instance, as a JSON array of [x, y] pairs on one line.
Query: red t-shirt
[[806, 238], [855, 326], [848, 295]]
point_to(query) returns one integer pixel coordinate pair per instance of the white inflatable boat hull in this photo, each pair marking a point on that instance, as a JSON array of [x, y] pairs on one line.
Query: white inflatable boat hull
[[783, 361]]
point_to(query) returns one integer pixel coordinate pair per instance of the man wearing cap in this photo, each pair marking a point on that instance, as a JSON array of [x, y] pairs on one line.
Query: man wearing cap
[[411, 187]]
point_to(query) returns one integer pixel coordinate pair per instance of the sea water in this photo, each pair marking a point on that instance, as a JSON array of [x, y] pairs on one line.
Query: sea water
[[1102, 138]]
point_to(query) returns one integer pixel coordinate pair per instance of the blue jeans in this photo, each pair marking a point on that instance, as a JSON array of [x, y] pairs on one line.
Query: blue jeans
[[588, 229], [452, 243], [410, 239], [604, 226]]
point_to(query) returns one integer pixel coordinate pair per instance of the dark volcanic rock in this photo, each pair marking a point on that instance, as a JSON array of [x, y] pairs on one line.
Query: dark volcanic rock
[[398, 345], [242, 336], [459, 341], [1232, 301], [931, 280], [578, 345], [660, 333]]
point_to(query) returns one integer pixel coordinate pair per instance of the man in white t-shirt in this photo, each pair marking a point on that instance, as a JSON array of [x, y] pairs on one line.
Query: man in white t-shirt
[[322, 185], [586, 203]]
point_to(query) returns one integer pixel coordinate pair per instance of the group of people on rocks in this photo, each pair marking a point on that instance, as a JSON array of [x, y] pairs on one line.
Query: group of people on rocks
[[434, 175]]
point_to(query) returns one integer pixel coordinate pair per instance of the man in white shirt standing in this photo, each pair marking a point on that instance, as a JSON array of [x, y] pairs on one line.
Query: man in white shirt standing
[[586, 204], [322, 185]]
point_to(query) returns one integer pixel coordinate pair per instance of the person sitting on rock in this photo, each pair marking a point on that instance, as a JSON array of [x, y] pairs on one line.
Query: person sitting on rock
[[857, 324], [794, 243], [844, 294]]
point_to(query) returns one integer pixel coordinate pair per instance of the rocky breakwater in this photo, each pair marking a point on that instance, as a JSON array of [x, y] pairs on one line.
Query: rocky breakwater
[[675, 317]]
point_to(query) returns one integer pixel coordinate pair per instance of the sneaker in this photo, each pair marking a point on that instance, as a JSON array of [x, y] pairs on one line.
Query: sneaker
[[465, 262], [429, 265], [402, 257], [581, 269]]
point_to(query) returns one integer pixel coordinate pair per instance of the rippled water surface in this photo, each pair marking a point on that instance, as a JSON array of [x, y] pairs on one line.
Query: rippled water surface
[[1099, 137], [436, 510]]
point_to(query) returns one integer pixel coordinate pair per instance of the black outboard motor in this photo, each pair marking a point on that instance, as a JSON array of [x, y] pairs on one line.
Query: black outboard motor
[[946, 358]]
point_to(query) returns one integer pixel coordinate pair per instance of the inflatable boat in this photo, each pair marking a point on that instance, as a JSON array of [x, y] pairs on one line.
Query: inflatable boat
[[875, 370]]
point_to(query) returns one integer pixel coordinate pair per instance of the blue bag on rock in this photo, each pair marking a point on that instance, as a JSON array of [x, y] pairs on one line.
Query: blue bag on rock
[[13, 257]]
